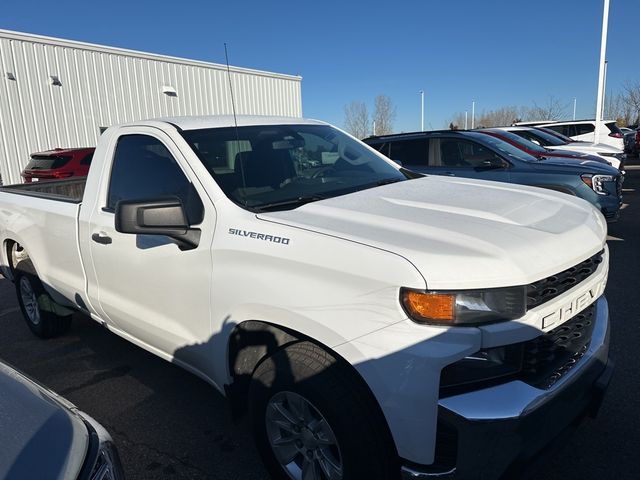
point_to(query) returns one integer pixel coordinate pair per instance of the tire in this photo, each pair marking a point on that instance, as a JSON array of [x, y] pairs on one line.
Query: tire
[[342, 426], [44, 317]]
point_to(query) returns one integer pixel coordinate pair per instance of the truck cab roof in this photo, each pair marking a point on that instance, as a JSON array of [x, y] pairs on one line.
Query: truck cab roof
[[225, 121]]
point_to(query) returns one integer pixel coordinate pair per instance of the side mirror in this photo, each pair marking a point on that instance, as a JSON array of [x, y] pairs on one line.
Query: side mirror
[[399, 162], [493, 164], [164, 216]]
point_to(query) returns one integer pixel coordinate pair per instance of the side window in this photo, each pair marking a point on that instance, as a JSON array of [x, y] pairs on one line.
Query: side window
[[562, 129], [87, 159], [584, 128], [143, 168], [383, 148], [410, 152], [457, 153]]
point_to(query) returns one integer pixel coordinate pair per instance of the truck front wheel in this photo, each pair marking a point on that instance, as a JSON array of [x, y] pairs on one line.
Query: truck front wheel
[[312, 419], [44, 317]]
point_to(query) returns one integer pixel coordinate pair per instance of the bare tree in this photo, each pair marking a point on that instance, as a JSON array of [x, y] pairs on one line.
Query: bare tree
[[457, 121], [553, 109], [500, 117], [356, 119], [618, 107], [384, 115], [632, 98]]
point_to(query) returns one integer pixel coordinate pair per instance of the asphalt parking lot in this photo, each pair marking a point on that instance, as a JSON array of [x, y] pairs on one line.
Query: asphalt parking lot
[[169, 424]]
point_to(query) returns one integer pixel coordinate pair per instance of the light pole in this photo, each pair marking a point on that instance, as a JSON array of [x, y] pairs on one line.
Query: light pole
[[604, 87], [466, 115], [473, 114], [421, 92], [601, 70], [574, 107]]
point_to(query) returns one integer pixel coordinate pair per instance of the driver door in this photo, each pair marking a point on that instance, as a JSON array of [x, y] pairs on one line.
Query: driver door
[[146, 286]]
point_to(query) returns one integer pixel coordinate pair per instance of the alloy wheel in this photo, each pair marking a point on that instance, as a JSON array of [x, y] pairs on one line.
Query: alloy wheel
[[302, 440], [30, 301]]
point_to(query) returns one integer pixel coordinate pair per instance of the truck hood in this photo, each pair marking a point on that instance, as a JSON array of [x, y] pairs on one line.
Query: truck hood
[[461, 233]]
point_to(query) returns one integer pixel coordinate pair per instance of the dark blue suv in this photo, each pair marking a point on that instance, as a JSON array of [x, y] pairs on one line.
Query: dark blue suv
[[475, 155]]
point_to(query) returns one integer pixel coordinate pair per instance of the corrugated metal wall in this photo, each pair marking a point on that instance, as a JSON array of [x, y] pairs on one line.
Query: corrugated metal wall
[[102, 86]]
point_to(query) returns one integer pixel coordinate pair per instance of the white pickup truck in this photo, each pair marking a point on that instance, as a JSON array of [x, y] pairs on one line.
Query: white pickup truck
[[373, 323]]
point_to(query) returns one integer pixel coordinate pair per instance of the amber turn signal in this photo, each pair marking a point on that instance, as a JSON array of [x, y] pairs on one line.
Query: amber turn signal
[[439, 307]]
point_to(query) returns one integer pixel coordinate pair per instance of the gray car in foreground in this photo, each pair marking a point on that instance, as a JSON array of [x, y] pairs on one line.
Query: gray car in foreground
[[43, 436]]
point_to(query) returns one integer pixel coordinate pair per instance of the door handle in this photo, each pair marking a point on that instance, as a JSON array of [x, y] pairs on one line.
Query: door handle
[[449, 174], [102, 238]]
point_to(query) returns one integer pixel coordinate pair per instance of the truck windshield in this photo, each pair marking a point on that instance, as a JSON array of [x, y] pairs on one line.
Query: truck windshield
[[278, 167]]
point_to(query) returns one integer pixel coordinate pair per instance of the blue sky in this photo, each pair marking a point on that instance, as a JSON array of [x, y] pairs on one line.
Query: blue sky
[[502, 52]]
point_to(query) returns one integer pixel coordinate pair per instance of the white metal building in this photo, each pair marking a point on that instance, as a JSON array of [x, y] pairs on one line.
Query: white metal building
[[60, 93]]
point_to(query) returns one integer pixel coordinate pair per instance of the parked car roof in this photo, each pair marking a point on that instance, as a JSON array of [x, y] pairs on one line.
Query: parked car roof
[[416, 134]]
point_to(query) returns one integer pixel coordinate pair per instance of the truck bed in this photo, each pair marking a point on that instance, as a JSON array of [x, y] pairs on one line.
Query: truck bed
[[61, 190]]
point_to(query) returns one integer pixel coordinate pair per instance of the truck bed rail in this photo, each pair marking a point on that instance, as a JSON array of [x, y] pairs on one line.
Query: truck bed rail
[[60, 190]]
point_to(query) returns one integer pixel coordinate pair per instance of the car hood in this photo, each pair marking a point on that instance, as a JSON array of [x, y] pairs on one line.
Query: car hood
[[588, 147], [40, 434], [583, 164], [462, 233]]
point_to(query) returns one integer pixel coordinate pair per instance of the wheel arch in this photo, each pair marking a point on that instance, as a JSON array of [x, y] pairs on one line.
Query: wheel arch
[[253, 341], [8, 259]]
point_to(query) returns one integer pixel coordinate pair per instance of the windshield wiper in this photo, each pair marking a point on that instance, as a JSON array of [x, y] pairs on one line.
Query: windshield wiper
[[291, 202], [387, 181]]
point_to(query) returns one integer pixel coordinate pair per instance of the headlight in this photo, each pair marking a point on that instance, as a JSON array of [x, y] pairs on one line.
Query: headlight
[[596, 182], [465, 307], [611, 154], [107, 465], [102, 459]]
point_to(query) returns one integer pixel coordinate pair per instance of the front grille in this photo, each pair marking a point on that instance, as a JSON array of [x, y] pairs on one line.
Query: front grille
[[549, 288], [619, 182], [549, 357]]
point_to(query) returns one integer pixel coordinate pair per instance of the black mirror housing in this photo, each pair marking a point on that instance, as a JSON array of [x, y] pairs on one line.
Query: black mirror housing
[[162, 216]]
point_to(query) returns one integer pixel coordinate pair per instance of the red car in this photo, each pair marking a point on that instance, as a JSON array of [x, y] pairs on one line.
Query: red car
[[534, 149], [58, 163]]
